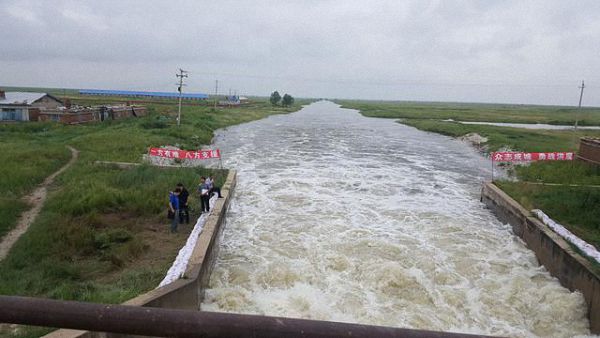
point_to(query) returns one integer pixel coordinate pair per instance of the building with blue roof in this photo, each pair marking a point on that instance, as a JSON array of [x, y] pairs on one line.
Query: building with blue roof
[[128, 93]]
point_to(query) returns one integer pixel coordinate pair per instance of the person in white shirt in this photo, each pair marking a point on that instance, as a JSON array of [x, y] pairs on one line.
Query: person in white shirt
[[203, 189]]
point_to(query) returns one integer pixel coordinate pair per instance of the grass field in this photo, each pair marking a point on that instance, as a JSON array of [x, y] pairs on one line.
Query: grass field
[[509, 113], [102, 235], [18, 178], [577, 208]]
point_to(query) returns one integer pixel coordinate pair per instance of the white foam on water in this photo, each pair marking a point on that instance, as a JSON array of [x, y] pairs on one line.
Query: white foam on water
[[341, 217]]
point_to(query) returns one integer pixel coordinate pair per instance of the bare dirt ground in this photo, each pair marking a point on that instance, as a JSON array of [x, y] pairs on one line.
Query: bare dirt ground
[[36, 199]]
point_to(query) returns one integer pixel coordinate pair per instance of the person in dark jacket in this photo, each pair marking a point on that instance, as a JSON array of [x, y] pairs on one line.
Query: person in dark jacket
[[213, 188], [184, 211]]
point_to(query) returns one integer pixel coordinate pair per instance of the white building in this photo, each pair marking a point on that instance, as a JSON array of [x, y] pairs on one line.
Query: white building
[[25, 106]]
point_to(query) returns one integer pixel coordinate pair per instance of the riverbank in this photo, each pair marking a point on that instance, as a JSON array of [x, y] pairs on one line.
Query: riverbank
[[476, 112], [574, 207], [102, 235], [183, 288], [559, 256]]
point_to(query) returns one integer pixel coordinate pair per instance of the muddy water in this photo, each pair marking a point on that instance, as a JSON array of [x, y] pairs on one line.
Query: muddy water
[[346, 218]]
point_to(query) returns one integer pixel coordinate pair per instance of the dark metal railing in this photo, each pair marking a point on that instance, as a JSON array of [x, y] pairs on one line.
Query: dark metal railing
[[182, 323]]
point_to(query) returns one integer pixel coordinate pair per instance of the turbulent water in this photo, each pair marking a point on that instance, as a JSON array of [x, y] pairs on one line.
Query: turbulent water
[[346, 218]]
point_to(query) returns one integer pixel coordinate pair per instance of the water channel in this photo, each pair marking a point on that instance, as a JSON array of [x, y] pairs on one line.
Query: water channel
[[341, 217]]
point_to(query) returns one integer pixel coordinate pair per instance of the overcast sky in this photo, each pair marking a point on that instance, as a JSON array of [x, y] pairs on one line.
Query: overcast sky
[[520, 51]]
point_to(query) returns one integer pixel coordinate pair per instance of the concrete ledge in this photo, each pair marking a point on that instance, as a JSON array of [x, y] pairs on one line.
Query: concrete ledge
[[572, 270], [188, 292]]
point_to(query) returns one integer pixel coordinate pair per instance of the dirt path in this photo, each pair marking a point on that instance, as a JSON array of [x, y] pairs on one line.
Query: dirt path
[[37, 199]]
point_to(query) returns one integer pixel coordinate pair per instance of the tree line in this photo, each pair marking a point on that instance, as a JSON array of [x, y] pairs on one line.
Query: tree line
[[286, 100]]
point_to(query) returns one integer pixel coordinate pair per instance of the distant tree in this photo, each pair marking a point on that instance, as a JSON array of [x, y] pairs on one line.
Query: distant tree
[[288, 100], [275, 97]]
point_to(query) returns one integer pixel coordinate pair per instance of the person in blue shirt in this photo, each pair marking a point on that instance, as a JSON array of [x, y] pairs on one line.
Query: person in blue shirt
[[174, 208]]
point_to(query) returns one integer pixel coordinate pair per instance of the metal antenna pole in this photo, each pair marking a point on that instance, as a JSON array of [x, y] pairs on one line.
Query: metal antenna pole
[[216, 92], [181, 75], [579, 107]]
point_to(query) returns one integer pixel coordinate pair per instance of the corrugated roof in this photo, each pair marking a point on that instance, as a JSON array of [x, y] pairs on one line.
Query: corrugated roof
[[21, 98], [137, 93]]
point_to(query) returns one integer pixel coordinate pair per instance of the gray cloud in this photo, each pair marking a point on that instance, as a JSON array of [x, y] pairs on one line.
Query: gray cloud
[[495, 51]]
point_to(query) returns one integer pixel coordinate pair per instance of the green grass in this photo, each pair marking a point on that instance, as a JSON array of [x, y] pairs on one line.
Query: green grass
[[34, 150], [72, 244], [508, 113], [102, 234], [567, 172], [502, 137], [10, 209], [574, 207], [26, 163]]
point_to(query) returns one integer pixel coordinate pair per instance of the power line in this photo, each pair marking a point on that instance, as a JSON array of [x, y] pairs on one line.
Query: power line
[[390, 83], [216, 92], [579, 107], [181, 75]]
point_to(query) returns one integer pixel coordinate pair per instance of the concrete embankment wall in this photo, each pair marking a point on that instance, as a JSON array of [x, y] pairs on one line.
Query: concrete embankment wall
[[187, 292], [572, 270]]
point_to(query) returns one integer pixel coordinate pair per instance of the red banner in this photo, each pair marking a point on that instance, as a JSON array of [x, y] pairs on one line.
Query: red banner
[[186, 154], [524, 157]]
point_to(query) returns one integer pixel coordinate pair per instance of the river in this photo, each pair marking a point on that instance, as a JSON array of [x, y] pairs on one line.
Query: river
[[341, 217]]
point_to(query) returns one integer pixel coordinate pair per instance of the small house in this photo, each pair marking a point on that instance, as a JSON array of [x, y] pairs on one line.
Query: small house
[[92, 114], [25, 106]]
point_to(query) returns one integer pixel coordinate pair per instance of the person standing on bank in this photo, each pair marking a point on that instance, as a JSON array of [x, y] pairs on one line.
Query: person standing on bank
[[184, 212], [213, 188], [204, 190], [174, 209]]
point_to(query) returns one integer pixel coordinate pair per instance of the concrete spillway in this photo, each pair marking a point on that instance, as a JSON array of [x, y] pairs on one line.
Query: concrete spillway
[[346, 218]]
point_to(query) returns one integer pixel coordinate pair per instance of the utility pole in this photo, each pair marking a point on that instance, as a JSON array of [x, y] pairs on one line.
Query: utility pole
[[181, 75], [579, 107], [216, 92]]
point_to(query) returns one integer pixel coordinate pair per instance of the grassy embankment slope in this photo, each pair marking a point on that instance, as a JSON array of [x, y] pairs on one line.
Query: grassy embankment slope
[[578, 208], [18, 177], [102, 235]]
